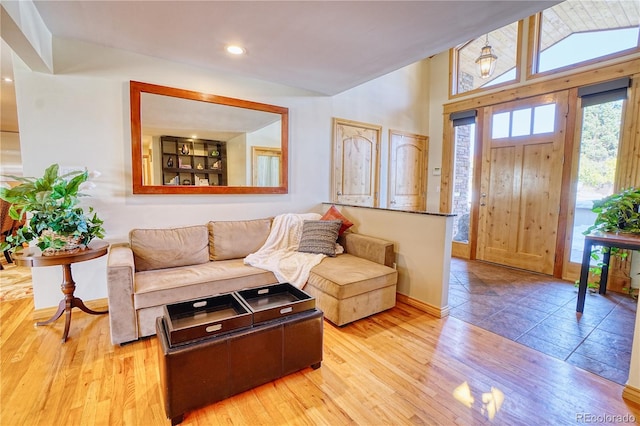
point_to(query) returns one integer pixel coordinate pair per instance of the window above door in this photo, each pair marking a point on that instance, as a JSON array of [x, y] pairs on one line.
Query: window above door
[[579, 32], [567, 36], [504, 43]]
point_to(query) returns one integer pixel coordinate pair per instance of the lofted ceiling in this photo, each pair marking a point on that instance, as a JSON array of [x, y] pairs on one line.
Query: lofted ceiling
[[325, 47], [322, 46]]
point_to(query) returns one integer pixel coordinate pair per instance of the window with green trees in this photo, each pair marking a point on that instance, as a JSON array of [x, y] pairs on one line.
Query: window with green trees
[[599, 147], [600, 137]]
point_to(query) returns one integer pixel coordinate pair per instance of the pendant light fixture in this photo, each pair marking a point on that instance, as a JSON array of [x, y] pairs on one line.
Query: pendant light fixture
[[487, 60]]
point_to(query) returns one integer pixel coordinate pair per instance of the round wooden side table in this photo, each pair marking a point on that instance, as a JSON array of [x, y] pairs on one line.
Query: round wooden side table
[[33, 257]]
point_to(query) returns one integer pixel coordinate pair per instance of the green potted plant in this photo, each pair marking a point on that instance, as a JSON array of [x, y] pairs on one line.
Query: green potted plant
[[56, 221], [616, 213]]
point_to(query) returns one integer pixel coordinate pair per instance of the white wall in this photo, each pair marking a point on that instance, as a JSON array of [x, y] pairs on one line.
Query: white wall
[[10, 161], [80, 117], [634, 369], [422, 244]]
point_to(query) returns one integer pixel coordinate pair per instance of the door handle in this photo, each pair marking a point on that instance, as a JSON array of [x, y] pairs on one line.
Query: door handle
[[483, 204], [339, 193]]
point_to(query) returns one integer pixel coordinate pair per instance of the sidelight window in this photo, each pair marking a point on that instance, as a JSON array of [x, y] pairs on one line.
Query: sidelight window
[[464, 126], [602, 112]]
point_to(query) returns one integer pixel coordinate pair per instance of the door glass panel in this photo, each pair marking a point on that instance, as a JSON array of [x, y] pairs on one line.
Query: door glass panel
[[500, 125], [521, 122], [600, 136], [544, 119], [462, 180], [518, 122]]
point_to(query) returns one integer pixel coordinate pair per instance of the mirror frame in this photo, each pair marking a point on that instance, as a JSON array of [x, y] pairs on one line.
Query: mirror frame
[[136, 88]]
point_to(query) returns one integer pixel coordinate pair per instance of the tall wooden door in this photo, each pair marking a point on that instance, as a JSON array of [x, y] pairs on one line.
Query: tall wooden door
[[522, 160], [407, 171], [355, 163]]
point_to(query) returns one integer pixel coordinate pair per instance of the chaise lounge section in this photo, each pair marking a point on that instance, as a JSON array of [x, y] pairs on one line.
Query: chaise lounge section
[[164, 266]]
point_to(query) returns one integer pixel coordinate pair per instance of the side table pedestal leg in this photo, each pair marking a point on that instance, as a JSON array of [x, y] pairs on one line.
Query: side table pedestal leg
[[67, 319], [68, 287], [55, 316], [78, 303]]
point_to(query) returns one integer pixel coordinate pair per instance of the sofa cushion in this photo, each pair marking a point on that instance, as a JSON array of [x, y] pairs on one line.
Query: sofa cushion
[[319, 236], [344, 311], [346, 276], [154, 288], [236, 239], [168, 248]]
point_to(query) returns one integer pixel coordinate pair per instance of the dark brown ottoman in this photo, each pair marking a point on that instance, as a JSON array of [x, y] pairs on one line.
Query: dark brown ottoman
[[201, 373]]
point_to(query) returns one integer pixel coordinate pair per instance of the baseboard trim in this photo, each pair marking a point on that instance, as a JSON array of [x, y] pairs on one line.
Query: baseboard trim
[[425, 307], [631, 394], [46, 313]]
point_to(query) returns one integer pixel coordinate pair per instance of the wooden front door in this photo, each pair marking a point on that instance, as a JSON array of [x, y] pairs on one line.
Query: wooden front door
[[522, 160], [355, 163], [407, 171]]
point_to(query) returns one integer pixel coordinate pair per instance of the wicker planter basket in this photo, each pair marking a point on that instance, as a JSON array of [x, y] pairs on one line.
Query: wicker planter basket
[[72, 243]]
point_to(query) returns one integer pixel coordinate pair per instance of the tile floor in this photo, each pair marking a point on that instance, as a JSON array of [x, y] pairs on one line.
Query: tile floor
[[539, 311]]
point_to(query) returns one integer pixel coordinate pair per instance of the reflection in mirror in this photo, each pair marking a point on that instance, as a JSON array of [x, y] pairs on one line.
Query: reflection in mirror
[[266, 166], [187, 142]]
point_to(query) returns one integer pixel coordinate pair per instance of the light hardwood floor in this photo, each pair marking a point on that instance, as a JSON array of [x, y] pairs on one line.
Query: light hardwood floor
[[398, 367]]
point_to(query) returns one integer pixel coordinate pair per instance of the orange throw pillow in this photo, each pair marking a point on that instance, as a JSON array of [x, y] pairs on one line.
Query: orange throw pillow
[[334, 214]]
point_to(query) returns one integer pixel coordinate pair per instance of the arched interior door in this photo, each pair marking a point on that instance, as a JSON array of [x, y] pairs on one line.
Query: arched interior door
[[356, 163], [407, 171]]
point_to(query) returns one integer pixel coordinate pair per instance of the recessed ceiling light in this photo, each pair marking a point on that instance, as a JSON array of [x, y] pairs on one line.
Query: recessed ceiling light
[[7, 80], [234, 49]]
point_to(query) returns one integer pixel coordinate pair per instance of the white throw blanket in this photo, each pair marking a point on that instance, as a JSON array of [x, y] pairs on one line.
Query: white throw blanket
[[279, 253]]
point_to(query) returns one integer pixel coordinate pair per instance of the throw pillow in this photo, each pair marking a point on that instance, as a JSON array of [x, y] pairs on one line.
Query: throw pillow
[[334, 214], [319, 236]]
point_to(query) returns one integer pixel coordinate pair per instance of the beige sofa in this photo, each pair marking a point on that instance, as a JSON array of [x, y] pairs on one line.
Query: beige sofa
[[164, 266]]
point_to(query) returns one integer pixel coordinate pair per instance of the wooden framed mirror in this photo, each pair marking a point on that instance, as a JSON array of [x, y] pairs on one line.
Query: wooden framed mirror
[[186, 142]]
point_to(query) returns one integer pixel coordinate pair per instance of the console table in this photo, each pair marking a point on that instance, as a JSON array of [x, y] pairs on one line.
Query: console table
[[200, 373], [33, 257], [603, 239]]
